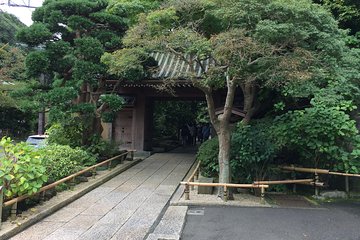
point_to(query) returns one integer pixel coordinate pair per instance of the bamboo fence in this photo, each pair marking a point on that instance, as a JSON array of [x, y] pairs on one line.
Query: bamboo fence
[[195, 175], [14, 202]]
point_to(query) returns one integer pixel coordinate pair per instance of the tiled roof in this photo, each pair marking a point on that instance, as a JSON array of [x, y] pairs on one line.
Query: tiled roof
[[172, 66]]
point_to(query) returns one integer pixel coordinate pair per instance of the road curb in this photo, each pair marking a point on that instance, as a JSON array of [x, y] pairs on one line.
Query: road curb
[[9, 230]]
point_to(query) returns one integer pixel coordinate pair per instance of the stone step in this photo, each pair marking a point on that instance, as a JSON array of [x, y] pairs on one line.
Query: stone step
[[170, 225]]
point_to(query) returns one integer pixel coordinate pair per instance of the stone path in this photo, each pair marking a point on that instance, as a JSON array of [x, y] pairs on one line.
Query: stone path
[[126, 207]]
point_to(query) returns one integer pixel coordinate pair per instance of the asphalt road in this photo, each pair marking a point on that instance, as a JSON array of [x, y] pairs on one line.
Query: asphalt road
[[329, 222]]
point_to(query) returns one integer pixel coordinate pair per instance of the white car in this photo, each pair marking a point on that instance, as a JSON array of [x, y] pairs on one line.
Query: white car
[[38, 141]]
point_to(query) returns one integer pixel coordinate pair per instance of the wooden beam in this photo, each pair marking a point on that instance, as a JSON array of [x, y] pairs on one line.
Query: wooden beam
[[284, 181], [225, 184], [234, 111], [308, 170]]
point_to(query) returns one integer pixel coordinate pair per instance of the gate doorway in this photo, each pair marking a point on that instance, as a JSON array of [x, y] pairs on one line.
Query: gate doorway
[[170, 116], [124, 132]]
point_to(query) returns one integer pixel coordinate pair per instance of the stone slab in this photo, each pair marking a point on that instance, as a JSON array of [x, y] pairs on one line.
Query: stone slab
[[204, 189]]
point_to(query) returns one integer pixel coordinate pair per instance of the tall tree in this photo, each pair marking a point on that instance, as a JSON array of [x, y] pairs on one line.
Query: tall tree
[[67, 39], [346, 11], [251, 44], [9, 24]]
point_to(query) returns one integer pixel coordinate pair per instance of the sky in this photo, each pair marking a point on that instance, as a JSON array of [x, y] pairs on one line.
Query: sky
[[24, 14]]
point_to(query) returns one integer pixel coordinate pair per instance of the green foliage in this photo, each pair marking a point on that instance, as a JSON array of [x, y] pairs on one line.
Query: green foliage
[[170, 116], [108, 117], [61, 161], [130, 9], [323, 136], [89, 49], [12, 67], [61, 97], [73, 35], [252, 153], [70, 134], [34, 35], [347, 12], [21, 169], [102, 148], [127, 64], [208, 157], [36, 63], [9, 24], [18, 123], [114, 102]]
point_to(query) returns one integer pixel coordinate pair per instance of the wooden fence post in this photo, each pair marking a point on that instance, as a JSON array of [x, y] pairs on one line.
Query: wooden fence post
[[294, 178], [192, 180], [347, 187], [316, 184], [109, 165], [1, 203], [72, 183], [262, 195], [225, 193], [187, 192], [13, 211], [93, 173]]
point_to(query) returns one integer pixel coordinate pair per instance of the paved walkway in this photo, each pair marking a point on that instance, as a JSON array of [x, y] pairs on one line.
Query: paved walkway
[[126, 207]]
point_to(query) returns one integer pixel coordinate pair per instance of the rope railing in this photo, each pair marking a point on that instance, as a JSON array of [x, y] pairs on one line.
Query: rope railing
[[13, 202]]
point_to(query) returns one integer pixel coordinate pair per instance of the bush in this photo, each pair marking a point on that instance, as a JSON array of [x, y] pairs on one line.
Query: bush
[[62, 160], [252, 153], [21, 169], [208, 157], [70, 134], [323, 137], [102, 148]]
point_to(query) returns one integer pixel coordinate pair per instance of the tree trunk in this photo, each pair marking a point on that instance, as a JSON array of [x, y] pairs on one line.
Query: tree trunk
[[250, 101], [97, 127], [41, 123], [224, 137]]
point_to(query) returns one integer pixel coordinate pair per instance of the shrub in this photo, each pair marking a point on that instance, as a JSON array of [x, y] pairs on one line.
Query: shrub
[[323, 137], [101, 147], [252, 153], [70, 134], [21, 169], [208, 157], [62, 160]]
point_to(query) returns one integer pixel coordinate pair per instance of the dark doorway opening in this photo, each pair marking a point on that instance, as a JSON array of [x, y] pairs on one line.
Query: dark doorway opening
[[170, 116]]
